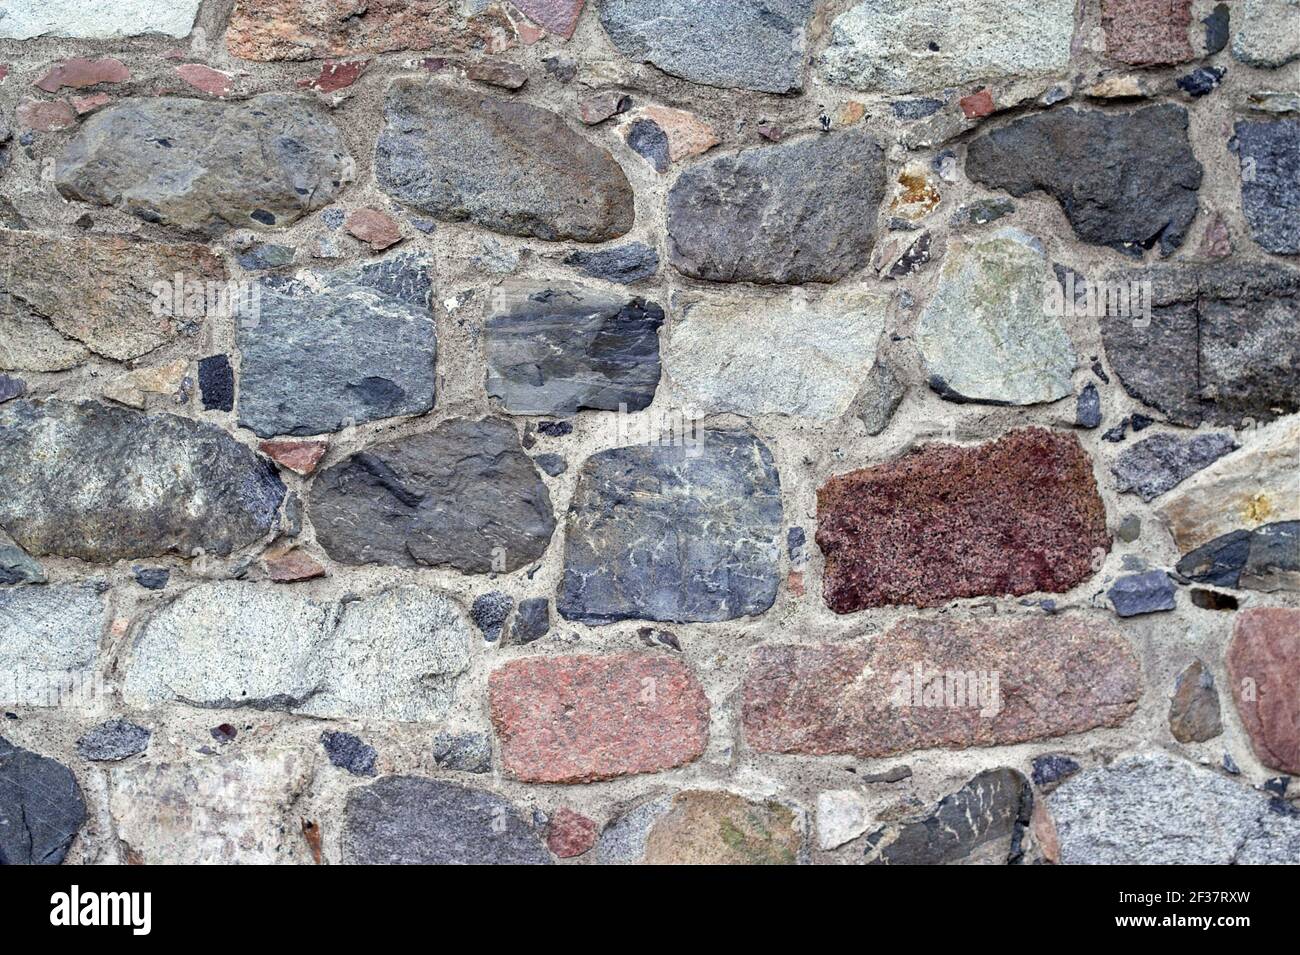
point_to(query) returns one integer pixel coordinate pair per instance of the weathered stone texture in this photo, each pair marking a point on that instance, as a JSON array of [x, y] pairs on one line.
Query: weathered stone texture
[[97, 19], [1264, 669], [49, 640], [703, 827], [41, 807], [1147, 32], [1270, 182], [1163, 461], [1266, 33]]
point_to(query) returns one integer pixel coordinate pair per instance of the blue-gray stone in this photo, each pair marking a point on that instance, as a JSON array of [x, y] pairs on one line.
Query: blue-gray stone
[[41, 808], [1135, 594], [489, 613], [1087, 412], [349, 752], [532, 620], [625, 264], [552, 464], [463, 752], [1052, 768], [1270, 182], [1153, 465], [113, 741]]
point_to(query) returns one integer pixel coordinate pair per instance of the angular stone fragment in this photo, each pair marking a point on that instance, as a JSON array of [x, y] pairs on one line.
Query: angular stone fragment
[[43, 116], [463, 495], [926, 684], [560, 348], [625, 264], [581, 719], [1009, 517], [171, 485], [1051, 769], [570, 833], [1264, 670], [1124, 180], [17, 567], [392, 656], [1149, 592], [532, 620], [1270, 182], [339, 348], [1266, 33], [292, 566], [79, 72], [301, 457], [735, 44], [102, 291], [235, 809], [349, 752], [217, 383], [1194, 706], [558, 16], [403, 820], [882, 392], [796, 212], [674, 532], [463, 752], [462, 156], [375, 227], [113, 741], [983, 822], [775, 356], [842, 816], [1221, 343], [1147, 32], [490, 612], [1155, 464], [906, 46], [41, 807], [49, 639], [207, 166], [986, 335], [1154, 809], [703, 827], [97, 19]]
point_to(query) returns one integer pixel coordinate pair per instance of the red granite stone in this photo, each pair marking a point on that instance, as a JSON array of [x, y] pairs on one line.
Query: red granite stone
[[977, 104], [293, 566], [1264, 669], [943, 522], [370, 225], [930, 683], [298, 456], [204, 78], [579, 719], [336, 76], [79, 73], [570, 833], [45, 117], [558, 16], [1147, 32]]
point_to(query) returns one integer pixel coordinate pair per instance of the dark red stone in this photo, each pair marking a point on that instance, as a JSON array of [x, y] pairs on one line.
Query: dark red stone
[[977, 104], [204, 78], [79, 72], [336, 76], [570, 833]]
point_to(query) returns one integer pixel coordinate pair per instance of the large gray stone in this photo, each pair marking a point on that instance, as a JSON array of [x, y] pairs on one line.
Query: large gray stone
[[499, 163], [41, 808], [1124, 180], [463, 495], [559, 348], [745, 44], [674, 532], [49, 638], [406, 820], [796, 212], [103, 483], [1270, 182], [906, 46], [1266, 33], [207, 166], [338, 348], [96, 19], [1155, 464], [986, 335], [1154, 809]]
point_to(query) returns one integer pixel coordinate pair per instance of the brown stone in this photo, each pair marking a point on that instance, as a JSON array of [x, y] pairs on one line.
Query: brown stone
[[1216, 243], [933, 683], [300, 457], [1194, 706], [204, 78], [721, 828], [580, 719], [78, 73], [505, 75], [601, 106], [1147, 32], [335, 76], [570, 833], [1012, 516], [1264, 669], [1043, 827], [293, 566], [378, 228], [558, 16], [45, 117]]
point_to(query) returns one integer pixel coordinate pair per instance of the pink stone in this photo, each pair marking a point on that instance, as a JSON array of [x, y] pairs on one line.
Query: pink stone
[[1147, 32], [298, 456], [977, 104], [1217, 241], [79, 72], [205, 78], [293, 566], [46, 117], [377, 228], [558, 16], [1264, 669], [688, 135], [580, 719], [570, 833], [336, 76], [86, 104]]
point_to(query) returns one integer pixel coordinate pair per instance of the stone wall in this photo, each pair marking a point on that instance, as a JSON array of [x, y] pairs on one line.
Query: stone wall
[[650, 430]]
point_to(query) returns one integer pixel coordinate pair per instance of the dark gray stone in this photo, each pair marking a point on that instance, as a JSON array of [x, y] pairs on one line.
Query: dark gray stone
[[1155, 464], [490, 612], [1124, 180], [18, 567], [216, 383], [462, 156], [406, 820], [463, 752], [1270, 182], [626, 264], [674, 533], [113, 741], [1201, 82], [560, 348], [650, 142], [207, 166], [463, 495], [552, 464], [743, 44], [1216, 29], [982, 212], [348, 347], [1130, 528], [532, 620], [11, 388], [796, 212], [1148, 592], [172, 485], [41, 808], [349, 752], [1259, 559], [1052, 768], [151, 578], [882, 392], [266, 255], [1222, 344], [910, 109], [1087, 410]]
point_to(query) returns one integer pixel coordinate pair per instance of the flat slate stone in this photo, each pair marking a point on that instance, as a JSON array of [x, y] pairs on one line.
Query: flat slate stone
[[340, 348], [1012, 516], [49, 640], [468, 157], [735, 44], [703, 827], [172, 485], [463, 495], [1270, 182], [17, 567], [404, 820], [41, 808], [207, 166], [532, 620], [560, 348], [790, 213], [1153, 465], [674, 532], [1125, 180], [1264, 670], [97, 19], [625, 264], [113, 740], [1135, 594]]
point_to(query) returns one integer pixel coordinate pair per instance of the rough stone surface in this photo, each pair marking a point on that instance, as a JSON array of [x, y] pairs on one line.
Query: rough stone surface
[[173, 485], [624, 264], [985, 336], [1052, 768], [114, 741], [49, 639], [490, 613], [927, 684], [1009, 517], [1149, 592], [685, 532], [16, 567], [703, 827], [570, 834], [339, 348], [1194, 705], [1266, 33], [41, 807], [405, 820], [1270, 181], [578, 192], [463, 495], [463, 752], [207, 166], [1124, 180], [217, 383], [1264, 670], [301, 457], [1155, 464], [586, 718], [790, 213], [532, 620], [349, 752], [1147, 32], [909, 46], [97, 19], [842, 816], [745, 44]]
